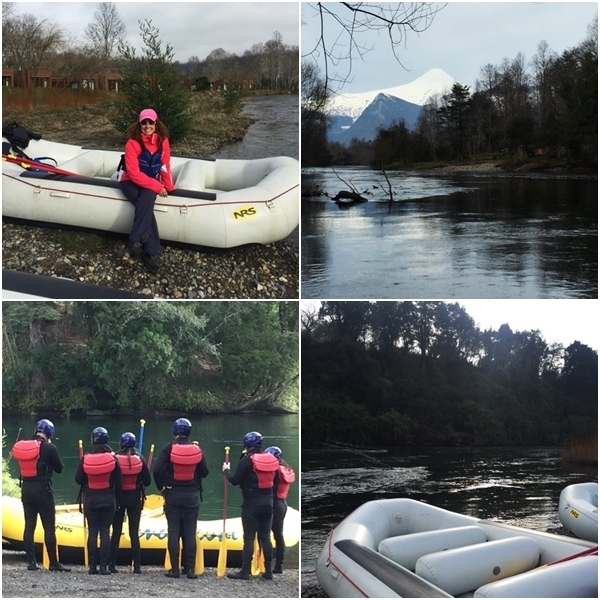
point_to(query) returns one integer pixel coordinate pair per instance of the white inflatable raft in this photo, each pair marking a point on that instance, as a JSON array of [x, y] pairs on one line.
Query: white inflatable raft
[[217, 203], [402, 548], [578, 510]]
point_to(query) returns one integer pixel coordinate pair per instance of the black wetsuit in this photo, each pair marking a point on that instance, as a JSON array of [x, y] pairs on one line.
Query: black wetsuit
[[182, 505], [99, 510], [130, 501], [257, 510], [38, 499]]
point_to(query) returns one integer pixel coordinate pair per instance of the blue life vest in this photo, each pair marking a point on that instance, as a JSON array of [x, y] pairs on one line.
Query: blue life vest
[[150, 164]]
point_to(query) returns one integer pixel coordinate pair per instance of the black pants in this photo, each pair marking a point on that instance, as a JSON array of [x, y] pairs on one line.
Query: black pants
[[131, 502], [145, 228], [279, 511], [257, 517], [99, 513], [181, 510], [38, 499]]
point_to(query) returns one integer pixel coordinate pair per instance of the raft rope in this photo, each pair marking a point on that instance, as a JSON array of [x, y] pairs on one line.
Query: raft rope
[[207, 203]]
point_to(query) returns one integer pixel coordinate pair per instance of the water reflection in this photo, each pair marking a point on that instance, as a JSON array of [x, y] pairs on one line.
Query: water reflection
[[456, 236]]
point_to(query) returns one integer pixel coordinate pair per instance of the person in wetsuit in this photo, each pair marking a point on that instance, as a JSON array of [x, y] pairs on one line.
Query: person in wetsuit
[[285, 477], [135, 476], [38, 459], [255, 474], [178, 473], [99, 476]]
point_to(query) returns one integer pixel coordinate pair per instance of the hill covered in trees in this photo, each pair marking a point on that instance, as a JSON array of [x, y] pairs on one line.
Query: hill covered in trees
[[123, 357], [397, 373]]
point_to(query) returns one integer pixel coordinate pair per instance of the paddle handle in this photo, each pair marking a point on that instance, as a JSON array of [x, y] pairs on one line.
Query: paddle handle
[[141, 435]]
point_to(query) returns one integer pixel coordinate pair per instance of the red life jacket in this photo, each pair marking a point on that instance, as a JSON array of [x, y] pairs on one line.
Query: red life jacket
[[286, 478], [27, 453], [98, 468], [184, 458], [131, 466], [265, 466]]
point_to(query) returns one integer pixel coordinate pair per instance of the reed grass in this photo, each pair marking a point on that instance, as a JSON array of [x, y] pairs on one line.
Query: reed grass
[[583, 452], [28, 99]]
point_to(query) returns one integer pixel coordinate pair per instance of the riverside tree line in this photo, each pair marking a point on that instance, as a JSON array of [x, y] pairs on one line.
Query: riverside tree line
[[546, 106], [397, 373], [125, 357]]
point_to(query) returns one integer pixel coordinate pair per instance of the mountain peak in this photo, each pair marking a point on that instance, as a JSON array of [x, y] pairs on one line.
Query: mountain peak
[[435, 81]]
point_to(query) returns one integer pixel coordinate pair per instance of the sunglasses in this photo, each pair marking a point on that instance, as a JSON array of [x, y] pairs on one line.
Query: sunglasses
[[147, 122]]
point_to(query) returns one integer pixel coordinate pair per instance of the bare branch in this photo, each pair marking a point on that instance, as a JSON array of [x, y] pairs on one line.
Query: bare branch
[[343, 25]]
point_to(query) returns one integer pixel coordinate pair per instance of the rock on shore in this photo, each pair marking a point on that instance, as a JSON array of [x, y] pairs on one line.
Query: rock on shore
[[258, 272], [18, 582]]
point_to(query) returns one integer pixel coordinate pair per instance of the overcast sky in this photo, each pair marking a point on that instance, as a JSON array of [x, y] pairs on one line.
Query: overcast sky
[[463, 37], [192, 28], [563, 321]]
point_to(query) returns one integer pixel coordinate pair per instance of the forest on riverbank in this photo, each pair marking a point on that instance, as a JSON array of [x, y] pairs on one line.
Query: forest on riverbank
[[129, 357], [398, 373]]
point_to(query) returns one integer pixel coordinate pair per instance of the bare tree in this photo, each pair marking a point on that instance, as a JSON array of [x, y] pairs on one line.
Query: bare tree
[[343, 43], [105, 31], [542, 63], [27, 42]]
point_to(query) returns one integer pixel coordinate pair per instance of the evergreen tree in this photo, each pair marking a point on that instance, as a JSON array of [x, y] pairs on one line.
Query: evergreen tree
[[454, 119], [151, 82]]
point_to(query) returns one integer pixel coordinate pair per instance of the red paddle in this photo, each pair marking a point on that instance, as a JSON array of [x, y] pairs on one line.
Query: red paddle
[[27, 163]]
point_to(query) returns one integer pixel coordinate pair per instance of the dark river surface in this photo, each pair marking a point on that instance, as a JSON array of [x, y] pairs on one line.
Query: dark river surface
[[517, 486], [450, 235], [213, 433]]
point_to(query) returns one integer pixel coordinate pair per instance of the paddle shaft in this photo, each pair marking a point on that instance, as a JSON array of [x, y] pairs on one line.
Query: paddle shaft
[[27, 163], [222, 559], [85, 532], [141, 436], [588, 552]]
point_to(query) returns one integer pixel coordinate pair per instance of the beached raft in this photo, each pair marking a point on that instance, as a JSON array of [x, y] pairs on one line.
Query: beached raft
[[401, 548], [217, 203], [70, 533], [578, 510]]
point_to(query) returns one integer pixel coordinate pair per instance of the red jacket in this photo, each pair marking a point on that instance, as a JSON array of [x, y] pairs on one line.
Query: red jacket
[[133, 173]]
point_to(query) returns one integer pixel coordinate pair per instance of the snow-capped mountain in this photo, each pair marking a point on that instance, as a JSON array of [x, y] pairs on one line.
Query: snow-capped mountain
[[435, 81], [382, 112]]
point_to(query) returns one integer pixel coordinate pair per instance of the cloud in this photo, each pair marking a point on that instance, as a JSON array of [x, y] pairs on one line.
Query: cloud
[[192, 28]]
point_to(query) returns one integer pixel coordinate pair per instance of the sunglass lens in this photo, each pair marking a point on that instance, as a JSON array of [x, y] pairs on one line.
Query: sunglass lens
[[147, 122]]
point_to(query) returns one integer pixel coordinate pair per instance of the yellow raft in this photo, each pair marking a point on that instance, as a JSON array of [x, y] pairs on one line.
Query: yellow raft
[[70, 533]]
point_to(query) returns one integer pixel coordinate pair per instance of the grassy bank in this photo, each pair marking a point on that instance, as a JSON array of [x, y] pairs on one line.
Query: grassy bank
[[80, 118]]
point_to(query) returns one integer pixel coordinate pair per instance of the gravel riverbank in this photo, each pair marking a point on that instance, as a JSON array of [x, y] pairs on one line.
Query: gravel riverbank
[[18, 582], [259, 272]]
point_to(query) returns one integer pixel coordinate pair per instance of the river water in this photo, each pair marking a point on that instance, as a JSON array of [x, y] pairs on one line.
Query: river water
[[213, 433], [487, 235], [275, 131], [516, 486]]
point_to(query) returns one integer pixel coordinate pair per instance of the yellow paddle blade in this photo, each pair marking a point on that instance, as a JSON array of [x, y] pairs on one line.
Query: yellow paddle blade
[[86, 558], [222, 560], [255, 565], [199, 557], [45, 557]]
